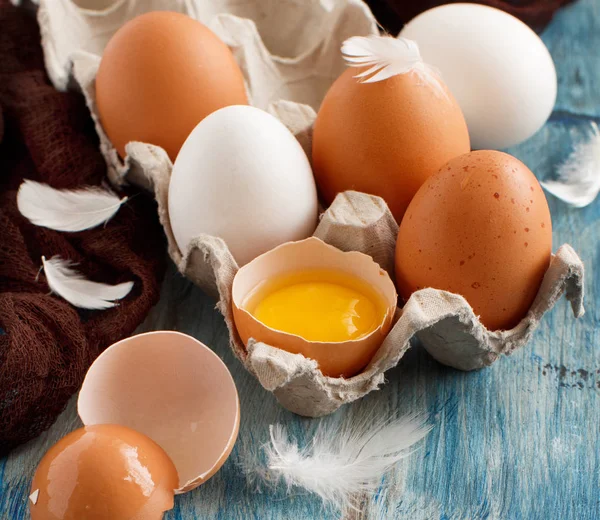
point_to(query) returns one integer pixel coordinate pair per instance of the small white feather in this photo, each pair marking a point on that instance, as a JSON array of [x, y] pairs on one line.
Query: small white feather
[[340, 462], [67, 210], [71, 285], [578, 182], [386, 57]]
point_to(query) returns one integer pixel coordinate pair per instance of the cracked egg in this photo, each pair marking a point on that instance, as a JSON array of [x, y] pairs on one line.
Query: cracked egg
[[310, 298]]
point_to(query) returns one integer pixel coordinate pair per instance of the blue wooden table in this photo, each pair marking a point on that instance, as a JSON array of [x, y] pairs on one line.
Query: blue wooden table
[[517, 441]]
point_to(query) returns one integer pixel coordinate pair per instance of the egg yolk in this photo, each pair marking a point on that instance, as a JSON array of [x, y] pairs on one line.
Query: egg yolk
[[319, 307]]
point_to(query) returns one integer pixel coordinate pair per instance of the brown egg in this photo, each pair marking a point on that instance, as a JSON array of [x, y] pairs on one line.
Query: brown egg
[[103, 472], [480, 228], [160, 75], [385, 138]]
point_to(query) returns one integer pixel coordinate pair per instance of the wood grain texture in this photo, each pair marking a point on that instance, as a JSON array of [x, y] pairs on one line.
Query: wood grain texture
[[517, 441]]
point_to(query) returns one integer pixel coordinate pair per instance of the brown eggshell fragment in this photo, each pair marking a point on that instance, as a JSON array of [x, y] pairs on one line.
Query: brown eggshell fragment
[[480, 228], [342, 359], [173, 389], [160, 75], [385, 138], [101, 472]]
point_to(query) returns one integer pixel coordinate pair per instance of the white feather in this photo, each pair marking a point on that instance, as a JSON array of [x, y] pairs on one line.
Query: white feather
[[67, 210], [71, 285], [578, 181], [386, 57], [341, 461]]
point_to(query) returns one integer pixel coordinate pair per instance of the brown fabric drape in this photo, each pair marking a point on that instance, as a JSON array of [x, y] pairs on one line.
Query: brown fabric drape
[[393, 14], [46, 345]]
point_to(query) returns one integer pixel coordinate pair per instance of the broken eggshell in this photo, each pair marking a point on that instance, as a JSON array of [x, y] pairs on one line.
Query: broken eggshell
[[173, 389], [103, 471], [336, 359]]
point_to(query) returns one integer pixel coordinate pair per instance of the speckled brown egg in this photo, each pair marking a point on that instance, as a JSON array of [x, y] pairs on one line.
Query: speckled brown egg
[[160, 75], [385, 138], [103, 472], [480, 228]]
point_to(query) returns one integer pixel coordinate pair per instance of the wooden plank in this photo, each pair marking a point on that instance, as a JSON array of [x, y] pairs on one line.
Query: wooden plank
[[520, 440]]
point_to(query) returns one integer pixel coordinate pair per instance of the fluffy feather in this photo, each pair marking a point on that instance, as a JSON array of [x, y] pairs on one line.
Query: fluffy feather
[[578, 181], [386, 57], [340, 461], [67, 283], [67, 210]]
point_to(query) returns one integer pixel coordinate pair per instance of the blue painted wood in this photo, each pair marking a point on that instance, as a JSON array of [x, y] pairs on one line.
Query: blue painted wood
[[517, 441]]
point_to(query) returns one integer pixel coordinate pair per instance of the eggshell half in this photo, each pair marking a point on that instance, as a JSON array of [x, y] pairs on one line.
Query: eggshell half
[[175, 390], [101, 472], [343, 359]]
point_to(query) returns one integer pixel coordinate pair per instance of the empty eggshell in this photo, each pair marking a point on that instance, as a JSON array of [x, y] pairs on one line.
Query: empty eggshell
[[340, 359], [175, 390], [101, 472]]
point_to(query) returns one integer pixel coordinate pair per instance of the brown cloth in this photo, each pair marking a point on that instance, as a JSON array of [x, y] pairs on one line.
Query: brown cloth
[[393, 14], [46, 345]]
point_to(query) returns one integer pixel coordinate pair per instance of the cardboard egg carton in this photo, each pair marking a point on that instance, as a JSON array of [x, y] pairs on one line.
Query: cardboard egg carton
[[288, 77], [288, 51], [444, 322]]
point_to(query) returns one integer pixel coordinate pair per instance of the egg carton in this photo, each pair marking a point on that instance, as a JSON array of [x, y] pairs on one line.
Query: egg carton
[[288, 51], [444, 322], [288, 77]]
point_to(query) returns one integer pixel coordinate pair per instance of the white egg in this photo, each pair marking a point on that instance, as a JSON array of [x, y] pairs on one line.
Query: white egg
[[498, 69], [242, 176]]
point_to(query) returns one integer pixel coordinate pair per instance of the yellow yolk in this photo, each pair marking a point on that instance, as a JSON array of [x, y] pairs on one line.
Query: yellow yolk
[[319, 306]]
